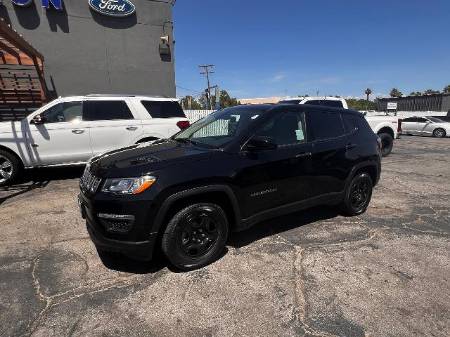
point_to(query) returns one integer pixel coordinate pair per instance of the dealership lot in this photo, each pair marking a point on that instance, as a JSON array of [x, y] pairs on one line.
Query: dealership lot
[[315, 273]]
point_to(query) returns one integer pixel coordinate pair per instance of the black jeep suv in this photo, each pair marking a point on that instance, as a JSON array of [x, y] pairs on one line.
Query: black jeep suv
[[224, 173]]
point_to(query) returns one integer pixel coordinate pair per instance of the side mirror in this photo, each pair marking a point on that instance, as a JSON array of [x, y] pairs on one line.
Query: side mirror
[[260, 143], [38, 120]]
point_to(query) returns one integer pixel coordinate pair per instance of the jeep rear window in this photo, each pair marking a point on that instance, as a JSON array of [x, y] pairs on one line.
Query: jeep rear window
[[325, 125], [167, 109]]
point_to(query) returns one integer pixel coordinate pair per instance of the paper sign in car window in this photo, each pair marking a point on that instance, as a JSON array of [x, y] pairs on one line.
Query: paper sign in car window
[[299, 134]]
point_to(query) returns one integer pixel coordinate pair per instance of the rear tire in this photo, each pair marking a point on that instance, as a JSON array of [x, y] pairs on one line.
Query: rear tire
[[10, 168], [387, 143], [358, 195], [195, 236], [439, 133]]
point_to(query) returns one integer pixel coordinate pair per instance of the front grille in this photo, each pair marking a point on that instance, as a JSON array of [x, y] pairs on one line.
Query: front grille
[[89, 182]]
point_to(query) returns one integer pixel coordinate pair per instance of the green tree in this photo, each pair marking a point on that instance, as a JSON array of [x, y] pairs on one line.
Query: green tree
[[190, 103], [431, 92], [368, 92], [446, 89], [396, 93], [416, 93], [361, 104], [226, 100]]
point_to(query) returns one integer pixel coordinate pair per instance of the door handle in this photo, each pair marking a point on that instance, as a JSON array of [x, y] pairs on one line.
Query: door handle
[[304, 155], [78, 131], [132, 128], [350, 146]]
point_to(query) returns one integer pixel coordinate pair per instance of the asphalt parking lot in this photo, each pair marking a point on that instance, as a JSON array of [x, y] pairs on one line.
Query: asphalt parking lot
[[315, 273]]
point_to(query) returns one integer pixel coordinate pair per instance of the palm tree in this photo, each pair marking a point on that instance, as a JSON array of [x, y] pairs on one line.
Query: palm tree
[[368, 92]]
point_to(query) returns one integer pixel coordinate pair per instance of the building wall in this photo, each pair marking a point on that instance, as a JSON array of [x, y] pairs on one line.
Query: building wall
[[437, 102], [86, 52]]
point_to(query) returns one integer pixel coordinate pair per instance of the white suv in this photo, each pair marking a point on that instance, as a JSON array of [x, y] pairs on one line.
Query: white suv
[[333, 102], [71, 130]]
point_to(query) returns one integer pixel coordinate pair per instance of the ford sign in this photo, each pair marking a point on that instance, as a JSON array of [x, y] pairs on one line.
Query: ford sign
[[118, 8]]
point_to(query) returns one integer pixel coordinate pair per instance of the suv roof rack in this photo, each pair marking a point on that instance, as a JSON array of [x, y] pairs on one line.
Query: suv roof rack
[[124, 95]]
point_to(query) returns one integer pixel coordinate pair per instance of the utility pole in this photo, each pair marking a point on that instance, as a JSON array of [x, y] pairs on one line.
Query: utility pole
[[206, 70]]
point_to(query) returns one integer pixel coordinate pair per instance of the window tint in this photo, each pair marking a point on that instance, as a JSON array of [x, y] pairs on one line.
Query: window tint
[[107, 110], [64, 112], [325, 124], [410, 119], [290, 101], [163, 109], [351, 123], [421, 120], [331, 104], [286, 129]]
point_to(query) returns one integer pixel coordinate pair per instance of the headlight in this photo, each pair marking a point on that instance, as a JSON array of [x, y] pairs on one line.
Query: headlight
[[128, 185]]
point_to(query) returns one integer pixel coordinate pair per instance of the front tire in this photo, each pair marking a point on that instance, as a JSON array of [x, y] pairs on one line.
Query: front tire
[[439, 133], [387, 143], [358, 195], [10, 168], [195, 236]]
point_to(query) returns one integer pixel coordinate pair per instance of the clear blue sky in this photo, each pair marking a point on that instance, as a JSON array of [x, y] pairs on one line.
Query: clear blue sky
[[291, 47]]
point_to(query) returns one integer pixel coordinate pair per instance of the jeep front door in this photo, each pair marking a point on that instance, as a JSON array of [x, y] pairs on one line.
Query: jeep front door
[[277, 177]]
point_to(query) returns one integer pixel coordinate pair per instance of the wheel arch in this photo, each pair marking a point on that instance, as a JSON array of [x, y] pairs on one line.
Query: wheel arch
[[388, 130], [12, 152], [368, 167], [223, 195]]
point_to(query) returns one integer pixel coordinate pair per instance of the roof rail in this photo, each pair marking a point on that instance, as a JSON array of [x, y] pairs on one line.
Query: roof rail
[[124, 95]]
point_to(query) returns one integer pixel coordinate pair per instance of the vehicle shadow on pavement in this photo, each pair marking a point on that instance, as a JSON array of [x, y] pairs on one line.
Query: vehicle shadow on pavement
[[281, 224], [51, 173], [16, 190], [122, 263], [38, 178]]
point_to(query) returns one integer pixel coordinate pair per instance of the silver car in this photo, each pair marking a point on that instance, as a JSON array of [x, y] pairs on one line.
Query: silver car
[[425, 126]]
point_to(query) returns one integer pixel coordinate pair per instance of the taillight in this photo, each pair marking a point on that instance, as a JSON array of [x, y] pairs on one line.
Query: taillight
[[183, 124], [399, 127]]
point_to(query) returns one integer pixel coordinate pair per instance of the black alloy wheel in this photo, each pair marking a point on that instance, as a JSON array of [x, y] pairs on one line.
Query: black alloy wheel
[[358, 195], [195, 236]]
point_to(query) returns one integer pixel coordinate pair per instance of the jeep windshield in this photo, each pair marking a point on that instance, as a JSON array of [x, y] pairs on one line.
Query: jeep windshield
[[218, 129]]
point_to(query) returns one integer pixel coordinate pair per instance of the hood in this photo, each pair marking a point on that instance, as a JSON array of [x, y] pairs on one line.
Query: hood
[[146, 158]]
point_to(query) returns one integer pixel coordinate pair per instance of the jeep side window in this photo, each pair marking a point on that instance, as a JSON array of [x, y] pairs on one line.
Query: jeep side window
[[286, 129], [325, 125], [107, 110], [63, 112]]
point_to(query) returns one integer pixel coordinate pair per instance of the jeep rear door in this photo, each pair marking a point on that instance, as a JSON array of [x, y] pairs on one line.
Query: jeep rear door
[[112, 124], [329, 161]]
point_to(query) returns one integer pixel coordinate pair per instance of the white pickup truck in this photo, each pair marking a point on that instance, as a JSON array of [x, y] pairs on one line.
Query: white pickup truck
[[386, 127], [71, 130]]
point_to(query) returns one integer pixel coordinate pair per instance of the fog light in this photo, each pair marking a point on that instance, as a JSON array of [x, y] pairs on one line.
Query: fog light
[[116, 223]]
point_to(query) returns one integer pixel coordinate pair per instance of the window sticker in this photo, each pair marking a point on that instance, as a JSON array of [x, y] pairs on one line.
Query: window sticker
[[299, 134]]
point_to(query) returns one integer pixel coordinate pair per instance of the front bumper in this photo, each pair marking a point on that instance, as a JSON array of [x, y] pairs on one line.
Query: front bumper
[[139, 242]]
